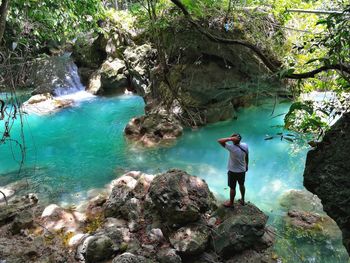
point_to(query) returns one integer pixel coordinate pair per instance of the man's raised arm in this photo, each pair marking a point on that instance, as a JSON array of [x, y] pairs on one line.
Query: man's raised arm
[[223, 141]]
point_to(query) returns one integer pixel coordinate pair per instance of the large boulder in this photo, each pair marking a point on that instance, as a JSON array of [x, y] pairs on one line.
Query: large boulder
[[122, 201], [90, 51], [179, 197], [154, 128], [238, 229], [99, 248], [327, 173], [111, 77]]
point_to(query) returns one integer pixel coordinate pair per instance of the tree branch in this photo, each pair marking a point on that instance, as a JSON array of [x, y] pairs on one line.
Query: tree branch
[[271, 66], [314, 72]]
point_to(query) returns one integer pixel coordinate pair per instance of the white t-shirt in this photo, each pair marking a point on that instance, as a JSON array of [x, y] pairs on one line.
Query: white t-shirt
[[236, 162]]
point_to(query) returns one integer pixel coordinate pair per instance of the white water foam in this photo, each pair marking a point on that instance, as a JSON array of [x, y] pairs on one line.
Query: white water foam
[[73, 89]]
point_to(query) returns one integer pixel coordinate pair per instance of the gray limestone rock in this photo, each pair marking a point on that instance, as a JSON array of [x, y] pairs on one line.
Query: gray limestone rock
[[190, 240], [181, 198]]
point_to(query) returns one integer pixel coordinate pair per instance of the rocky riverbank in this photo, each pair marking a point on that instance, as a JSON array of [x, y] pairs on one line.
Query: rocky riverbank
[[170, 217]]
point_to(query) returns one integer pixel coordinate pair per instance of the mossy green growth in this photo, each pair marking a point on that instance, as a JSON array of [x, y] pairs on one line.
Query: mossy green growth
[[93, 224]]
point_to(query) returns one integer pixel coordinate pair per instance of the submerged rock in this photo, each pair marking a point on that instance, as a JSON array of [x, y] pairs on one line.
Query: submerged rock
[[301, 200], [238, 229], [252, 256], [311, 225], [327, 173], [181, 198]]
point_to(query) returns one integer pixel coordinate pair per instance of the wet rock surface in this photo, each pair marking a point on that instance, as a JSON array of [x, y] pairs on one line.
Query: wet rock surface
[[327, 173]]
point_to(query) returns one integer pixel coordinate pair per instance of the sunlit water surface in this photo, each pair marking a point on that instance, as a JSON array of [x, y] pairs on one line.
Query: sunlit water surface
[[83, 147]]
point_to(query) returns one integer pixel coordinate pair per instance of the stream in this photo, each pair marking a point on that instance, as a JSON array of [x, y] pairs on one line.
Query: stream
[[72, 153]]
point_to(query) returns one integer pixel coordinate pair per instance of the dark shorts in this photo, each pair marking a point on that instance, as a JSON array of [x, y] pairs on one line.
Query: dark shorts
[[234, 177]]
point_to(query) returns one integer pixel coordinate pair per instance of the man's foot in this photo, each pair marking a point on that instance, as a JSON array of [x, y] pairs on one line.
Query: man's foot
[[228, 204], [241, 201]]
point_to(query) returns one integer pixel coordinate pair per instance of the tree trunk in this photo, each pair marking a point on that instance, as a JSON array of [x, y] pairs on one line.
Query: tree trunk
[[3, 15]]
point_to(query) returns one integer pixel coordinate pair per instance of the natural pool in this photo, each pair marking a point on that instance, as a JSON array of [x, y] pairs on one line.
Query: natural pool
[[81, 148]]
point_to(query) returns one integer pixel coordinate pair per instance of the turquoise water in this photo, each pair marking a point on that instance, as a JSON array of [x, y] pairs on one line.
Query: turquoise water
[[81, 148]]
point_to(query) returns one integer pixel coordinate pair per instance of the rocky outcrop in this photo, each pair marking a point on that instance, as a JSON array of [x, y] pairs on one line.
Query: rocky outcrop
[[168, 218], [327, 173], [173, 217], [153, 128], [208, 76]]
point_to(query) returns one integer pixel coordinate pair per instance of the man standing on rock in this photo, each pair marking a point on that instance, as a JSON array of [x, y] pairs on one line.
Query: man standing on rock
[[237, 165]]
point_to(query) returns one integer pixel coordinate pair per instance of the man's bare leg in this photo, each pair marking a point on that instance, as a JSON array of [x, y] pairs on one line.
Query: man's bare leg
[[242, 190], [232, 198]]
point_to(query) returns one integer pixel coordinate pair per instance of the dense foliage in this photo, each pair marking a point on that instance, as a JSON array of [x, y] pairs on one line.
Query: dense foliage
[[34, 23]]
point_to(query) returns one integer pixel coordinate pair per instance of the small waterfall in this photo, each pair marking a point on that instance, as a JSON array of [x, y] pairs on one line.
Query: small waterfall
[[71, 82], [69, 86]]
